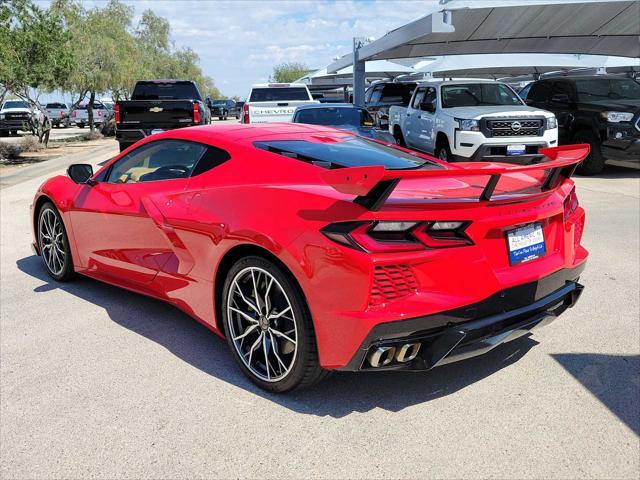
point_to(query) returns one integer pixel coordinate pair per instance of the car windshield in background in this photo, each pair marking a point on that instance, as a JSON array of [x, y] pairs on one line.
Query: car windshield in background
[[608, 89], [278, 94], [56, 105], [16, 104], [352, 152], [474, 94], [164, 91], [355, 117]]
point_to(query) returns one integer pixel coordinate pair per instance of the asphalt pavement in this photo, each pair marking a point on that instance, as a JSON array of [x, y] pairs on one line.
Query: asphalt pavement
[[99, 382]]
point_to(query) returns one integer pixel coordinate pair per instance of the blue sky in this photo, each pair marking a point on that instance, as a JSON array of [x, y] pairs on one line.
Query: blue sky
[[240, 41]]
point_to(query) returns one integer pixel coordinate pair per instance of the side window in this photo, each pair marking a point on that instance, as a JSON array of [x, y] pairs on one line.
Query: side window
[[367, 95], [430, 96], [540, 92], [212, 157], [375, 96], [161, 160], [563, 88], [418, 97]]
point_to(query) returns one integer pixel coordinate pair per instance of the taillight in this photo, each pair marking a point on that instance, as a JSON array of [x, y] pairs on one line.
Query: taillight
[[61, 114], [116, 110], [73, 114], [99, 113], [196, 113], [570, 204], [245, 113], [393, 236]]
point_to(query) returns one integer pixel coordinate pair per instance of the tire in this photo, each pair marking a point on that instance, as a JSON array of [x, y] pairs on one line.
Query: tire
[[4, 133], [594, 163], [397, 134], [294, 363], [53, 244], [14, 132], [80, 125], [443, 152]]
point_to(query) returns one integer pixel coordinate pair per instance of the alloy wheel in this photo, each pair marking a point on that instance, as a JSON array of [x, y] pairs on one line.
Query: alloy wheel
[[51, 239], [262, 324]]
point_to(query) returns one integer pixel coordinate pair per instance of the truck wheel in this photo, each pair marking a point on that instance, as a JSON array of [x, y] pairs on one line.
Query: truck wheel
[[397, 134], [443, 152], [594, 163], [80, 125]]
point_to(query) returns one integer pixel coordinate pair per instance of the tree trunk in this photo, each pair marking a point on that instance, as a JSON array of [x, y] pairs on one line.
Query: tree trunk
[[92, 98]]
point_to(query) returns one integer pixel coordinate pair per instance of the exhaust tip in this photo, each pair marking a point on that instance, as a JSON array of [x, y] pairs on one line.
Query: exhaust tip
[[408, 352], [381, 356]]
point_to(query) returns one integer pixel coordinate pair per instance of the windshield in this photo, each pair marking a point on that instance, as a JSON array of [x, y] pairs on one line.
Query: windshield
[[354, 117], [475, 94], [165, 91], [608, 89], [352, 152], [16, 104], [278, 94], [219, 102]]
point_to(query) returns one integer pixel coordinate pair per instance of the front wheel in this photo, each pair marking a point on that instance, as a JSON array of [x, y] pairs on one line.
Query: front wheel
[[594, 163], [54, 244], [268, 326], [443, 152]]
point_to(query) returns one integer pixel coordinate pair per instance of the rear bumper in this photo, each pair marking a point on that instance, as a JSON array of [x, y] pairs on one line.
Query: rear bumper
[[471, 330], [132, 135], [14, 124]]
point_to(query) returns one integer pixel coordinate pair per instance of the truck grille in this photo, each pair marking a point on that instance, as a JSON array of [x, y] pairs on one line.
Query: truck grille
[[514, 127], [17, 116]]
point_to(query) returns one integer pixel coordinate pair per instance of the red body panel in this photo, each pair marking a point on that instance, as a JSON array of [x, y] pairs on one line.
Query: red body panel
[[167, 238]]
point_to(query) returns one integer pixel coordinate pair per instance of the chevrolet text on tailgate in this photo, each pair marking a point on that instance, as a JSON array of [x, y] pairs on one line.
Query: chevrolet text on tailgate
[[275, 102]]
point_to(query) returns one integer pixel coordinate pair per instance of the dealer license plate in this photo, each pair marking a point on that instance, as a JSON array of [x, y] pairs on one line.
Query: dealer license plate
[[526, 243], [516, 149]]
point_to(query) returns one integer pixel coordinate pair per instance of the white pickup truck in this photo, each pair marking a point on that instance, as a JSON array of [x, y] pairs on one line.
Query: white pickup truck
[[274, 102], [472, 120]]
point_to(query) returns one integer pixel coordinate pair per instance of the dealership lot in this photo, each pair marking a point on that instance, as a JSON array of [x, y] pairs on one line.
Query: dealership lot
[[97, 381]]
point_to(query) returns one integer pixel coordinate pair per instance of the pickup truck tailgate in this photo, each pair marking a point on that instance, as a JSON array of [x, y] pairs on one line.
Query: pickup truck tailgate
[[158, 113], [273, 112]]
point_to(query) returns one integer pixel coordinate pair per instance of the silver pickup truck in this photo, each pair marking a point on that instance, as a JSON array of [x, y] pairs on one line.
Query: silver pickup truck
[[58, 113], [275, 102]]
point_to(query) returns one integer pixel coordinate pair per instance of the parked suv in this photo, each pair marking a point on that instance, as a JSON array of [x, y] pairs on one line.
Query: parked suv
[[473, 120], [603, 111], [379, 97], [58, 113]]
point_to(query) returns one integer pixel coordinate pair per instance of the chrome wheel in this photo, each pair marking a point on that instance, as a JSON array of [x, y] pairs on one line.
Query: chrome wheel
[[262, 324], [51, 241]]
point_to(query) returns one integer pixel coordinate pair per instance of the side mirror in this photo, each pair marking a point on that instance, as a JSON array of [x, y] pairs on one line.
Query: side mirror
[[428, 107], [80, 172], [560, 98]]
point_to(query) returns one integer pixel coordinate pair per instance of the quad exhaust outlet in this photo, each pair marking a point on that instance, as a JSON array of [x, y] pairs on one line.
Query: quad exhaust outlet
[[383, 356]]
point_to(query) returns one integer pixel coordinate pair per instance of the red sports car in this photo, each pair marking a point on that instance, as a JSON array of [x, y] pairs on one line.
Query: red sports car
[[311, 249]]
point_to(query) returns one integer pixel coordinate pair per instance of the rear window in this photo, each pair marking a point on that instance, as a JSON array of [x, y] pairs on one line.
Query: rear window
[[56, 105], [352, 152], [278, 94], [165, 91], [355, 117]]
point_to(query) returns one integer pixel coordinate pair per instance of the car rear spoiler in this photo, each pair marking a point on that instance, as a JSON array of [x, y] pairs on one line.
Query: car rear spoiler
[[373, 185]]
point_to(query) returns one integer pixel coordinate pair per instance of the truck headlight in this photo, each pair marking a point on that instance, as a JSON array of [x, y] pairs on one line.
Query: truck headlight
[[468, 125], [552, 123], [616, 117]]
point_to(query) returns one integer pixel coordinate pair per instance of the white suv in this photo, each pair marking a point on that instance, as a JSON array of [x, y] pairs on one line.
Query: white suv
[[472, 120]]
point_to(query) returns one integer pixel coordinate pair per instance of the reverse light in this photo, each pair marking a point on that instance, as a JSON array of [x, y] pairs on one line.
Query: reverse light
[[398, 236], [245, 113], [196, 113], [117, 112], [617, 117], [468, 125]]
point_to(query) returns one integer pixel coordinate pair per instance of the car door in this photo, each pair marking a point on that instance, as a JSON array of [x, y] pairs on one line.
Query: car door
[[412, 126], [118, 228], [563, 104], [426, 121]]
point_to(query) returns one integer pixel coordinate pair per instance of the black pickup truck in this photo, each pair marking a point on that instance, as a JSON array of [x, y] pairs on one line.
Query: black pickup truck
[[223, 109], [158, 105]]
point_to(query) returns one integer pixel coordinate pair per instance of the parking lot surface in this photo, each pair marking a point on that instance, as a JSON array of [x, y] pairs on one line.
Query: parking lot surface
[[99, 382]]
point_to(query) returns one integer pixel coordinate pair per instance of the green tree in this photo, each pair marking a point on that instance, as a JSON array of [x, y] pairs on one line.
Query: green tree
[[34, 53], [289, 72]]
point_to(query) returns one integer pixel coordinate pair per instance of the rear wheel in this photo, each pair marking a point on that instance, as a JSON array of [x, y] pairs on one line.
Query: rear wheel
[[268, 326], [397, 134], [594, 163], [80, 125], [53, 244]]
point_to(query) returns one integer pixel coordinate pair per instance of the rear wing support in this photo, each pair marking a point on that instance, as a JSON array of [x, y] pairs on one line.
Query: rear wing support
[[374, 185]]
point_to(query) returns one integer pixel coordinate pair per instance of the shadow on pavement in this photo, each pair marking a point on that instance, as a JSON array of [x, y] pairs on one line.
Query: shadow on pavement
[[339, 395], [612, 379], [617, 172]]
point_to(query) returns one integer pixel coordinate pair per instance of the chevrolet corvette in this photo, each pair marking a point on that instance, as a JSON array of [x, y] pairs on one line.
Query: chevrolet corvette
[[311, 249]]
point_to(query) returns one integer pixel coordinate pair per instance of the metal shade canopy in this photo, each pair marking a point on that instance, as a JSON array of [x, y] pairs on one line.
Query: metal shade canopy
[[374, 70], [603, 27], [508, 64]]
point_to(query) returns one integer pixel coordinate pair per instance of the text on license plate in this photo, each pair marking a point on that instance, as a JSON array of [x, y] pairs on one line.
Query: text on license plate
[[516, 149], [526, 243]]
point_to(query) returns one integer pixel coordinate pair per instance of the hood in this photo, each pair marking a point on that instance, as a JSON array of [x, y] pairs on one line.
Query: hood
[[16, 110], [617, 105], [476, 113]]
